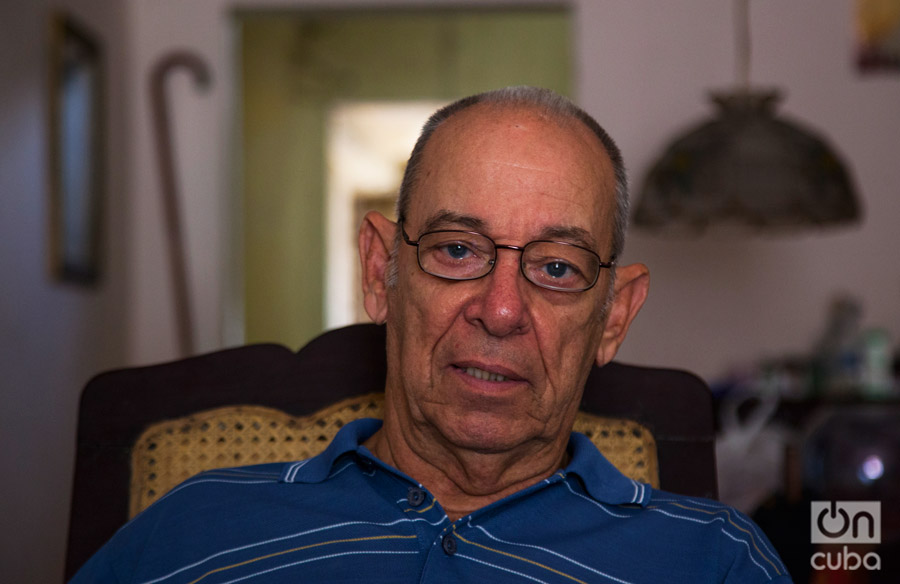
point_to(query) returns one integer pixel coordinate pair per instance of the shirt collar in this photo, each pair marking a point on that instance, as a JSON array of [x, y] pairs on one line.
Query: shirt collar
[[348, 439], [601, 479]]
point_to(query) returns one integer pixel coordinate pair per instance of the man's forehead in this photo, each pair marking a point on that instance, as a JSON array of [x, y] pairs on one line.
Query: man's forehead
[[488, 145], [513, 131]]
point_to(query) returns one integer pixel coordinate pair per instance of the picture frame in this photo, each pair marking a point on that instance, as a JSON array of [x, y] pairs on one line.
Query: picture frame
[[877, 26], [76, 157]]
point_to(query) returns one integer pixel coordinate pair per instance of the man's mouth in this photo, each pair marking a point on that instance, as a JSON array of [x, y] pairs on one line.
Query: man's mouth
[[484, 375]]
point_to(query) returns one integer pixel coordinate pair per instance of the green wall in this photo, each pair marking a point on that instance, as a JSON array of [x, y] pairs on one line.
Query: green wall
[[295, 65]]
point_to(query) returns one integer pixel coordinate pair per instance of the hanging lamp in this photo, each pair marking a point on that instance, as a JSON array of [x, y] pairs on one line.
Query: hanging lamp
[[746, 166]]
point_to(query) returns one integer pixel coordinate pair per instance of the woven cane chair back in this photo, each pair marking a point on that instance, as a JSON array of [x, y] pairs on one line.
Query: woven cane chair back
[[169, 452]]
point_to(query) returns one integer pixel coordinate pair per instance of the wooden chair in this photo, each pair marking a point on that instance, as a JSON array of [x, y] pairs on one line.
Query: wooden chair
[[141, 430]]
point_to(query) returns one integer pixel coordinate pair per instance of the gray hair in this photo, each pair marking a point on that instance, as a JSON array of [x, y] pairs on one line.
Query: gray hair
[[550, 103]]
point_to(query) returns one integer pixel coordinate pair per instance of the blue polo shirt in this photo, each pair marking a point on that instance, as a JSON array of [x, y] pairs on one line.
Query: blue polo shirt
[[344, 516]]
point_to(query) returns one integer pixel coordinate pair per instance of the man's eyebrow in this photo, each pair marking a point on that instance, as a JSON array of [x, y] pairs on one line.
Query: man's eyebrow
[[444, 219], [569, 234]]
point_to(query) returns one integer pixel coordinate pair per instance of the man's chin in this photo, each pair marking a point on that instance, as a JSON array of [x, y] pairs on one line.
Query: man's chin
[[486, 432]]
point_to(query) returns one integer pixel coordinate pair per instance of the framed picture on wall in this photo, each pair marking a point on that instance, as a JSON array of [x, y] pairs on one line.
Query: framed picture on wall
[[878, 35], [76, 151]]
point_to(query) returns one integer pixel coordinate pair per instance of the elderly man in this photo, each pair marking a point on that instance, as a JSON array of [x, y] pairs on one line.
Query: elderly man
[[499, 289]]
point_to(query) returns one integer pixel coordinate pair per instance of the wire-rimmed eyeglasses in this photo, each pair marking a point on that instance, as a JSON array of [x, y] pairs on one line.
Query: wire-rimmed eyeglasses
[[467, 255]]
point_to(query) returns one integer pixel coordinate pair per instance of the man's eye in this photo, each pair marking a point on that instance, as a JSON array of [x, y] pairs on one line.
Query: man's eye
[[457, 251], [558, 269]]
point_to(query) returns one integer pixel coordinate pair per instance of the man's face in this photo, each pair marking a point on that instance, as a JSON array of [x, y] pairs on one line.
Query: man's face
[[495, 363]]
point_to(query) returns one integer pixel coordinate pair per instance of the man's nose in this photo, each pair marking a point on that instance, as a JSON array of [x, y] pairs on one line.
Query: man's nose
[[500, 303]]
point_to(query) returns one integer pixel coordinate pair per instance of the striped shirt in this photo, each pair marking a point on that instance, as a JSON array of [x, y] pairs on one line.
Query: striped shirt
[[344, 516]]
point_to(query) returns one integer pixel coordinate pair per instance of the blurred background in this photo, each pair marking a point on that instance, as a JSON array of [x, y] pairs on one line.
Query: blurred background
[[304, 123]]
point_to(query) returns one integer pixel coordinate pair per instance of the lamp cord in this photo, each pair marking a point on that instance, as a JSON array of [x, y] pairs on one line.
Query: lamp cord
[[742, 34]]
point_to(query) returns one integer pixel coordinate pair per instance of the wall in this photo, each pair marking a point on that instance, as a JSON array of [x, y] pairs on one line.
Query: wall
[[53, 337]]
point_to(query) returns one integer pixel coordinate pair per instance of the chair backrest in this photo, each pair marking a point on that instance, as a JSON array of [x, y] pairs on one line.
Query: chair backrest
[[171, 451], [118, 407]]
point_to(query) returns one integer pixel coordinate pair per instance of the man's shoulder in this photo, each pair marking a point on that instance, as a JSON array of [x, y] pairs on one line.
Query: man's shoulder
[[218, 499], [739, 540], [220, 484], [698, 512], [270, 470], [257, 474], [672, 530], [702, 506]]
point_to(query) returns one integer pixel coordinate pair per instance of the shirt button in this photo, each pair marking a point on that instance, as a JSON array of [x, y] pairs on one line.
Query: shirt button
[[365, 464], [416, 496], [448, 542]]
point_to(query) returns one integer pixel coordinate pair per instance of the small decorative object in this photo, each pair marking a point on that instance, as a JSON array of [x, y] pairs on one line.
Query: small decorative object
[[746, 166], [878, 35], [877, 364], [837, 354], [76, 151]]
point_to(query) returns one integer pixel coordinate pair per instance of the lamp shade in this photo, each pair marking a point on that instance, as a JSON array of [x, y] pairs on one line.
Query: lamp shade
[[749, 167]]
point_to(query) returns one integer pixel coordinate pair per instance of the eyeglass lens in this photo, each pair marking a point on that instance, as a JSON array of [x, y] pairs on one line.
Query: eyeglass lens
[[465, 256]]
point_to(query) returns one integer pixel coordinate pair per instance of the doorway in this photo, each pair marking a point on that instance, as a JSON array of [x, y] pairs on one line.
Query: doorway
[[331, 104]]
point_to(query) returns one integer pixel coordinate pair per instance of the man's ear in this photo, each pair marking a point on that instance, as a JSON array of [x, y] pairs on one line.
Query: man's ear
[[376, 239], [630, 291]]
